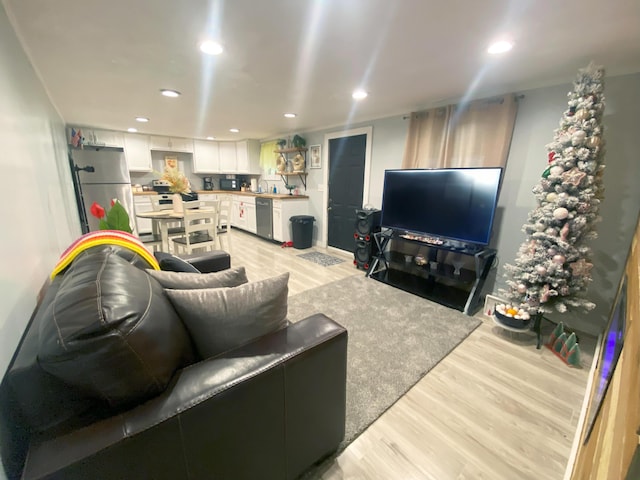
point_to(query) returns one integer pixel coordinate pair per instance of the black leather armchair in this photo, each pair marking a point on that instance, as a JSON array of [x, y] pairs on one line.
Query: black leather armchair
[[268, 409]]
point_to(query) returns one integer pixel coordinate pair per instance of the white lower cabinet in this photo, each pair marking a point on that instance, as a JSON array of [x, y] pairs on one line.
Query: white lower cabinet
[[239, 212], [142, 203], [251, 217], [277, 221], [283, 210], [207, 197]]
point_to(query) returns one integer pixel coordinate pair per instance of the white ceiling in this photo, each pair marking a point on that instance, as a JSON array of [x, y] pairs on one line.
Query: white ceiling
[[103, 62]]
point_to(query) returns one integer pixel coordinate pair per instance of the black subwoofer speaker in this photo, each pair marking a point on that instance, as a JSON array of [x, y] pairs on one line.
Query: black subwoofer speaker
[[364, 253], [367, 221], [367, 224]]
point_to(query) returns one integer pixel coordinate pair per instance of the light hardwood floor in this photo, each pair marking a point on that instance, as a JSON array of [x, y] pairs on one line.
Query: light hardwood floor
[[495, 408]]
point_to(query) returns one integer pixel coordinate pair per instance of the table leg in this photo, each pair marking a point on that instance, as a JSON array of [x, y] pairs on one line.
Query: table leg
[[164, 235], [537, 328]]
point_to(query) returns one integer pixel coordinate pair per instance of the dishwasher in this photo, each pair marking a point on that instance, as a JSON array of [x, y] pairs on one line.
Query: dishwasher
[[264, 217]]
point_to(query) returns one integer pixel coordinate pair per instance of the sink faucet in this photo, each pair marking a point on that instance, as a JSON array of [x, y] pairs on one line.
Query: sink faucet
[[264, 186]]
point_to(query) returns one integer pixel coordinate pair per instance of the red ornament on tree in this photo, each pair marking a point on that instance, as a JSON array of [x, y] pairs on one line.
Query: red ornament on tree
[[551, 156]]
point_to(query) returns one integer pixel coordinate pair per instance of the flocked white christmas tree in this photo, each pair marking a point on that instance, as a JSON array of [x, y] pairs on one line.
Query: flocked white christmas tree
[[553, 266]]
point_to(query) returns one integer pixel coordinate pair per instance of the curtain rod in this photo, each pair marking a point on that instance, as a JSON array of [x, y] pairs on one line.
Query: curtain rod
[[517, 97]]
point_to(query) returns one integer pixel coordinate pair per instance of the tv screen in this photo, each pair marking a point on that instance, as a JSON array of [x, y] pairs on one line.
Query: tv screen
[[451, 203]]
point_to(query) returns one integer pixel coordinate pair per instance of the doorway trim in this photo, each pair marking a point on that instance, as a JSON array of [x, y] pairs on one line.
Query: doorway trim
[[368, 131]]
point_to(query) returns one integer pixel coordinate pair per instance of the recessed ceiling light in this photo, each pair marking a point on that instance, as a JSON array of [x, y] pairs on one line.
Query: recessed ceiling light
[[132, 130], [359, 94], [211, 48], [234, 130], [290, 115], [501, 46], [169, 93], [211, 138], [142, 119]]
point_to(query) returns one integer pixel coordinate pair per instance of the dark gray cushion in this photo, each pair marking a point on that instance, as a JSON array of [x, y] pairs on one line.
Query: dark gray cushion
[[187, 281], [171, 263], [219, 319], [112, 332]]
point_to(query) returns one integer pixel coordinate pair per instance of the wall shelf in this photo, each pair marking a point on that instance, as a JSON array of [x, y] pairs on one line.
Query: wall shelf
[[284, 153]]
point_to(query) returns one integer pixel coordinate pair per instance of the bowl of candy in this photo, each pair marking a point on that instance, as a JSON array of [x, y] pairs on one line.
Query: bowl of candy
[[512, 316]]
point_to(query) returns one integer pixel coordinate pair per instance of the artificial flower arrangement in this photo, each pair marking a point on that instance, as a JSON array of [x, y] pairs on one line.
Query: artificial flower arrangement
[[116, 218], [178, 182]]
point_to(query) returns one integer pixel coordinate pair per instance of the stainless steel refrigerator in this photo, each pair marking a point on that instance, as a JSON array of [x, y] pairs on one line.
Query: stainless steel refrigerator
[[100, 175]]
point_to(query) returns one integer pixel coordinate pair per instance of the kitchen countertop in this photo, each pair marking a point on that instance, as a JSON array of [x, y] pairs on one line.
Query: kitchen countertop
[[278, 196]]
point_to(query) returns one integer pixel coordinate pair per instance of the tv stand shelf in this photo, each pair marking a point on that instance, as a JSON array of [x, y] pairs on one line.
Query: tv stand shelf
[[437, 281]]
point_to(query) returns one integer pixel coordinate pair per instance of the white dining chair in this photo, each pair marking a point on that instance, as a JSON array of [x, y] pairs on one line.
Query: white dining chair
[[174, 229], [200, 231], [224, 219]]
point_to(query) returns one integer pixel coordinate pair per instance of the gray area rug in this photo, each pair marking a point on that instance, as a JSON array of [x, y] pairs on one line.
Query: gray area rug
[[321, 258], [395, 338]]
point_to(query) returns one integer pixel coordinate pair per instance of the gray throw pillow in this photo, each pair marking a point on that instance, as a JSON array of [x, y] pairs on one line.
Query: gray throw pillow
[[231, 277], [219, 319]]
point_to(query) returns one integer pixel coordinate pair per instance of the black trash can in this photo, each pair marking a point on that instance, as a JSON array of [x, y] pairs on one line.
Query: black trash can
[[302, 230]]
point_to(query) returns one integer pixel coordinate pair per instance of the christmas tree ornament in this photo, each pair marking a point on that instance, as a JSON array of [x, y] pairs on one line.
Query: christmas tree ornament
[[556, 171], [573, 176], [551, 156], [593, 141], [578, 137], [522, 288], [559, 259], [560, 213], [581, 267], [551, 197], [582, 114], [541, 270], [546, 172]]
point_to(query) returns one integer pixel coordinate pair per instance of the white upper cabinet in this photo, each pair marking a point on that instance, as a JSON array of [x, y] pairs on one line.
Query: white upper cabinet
[[96, 137], [248, 156], [171, 144], [137, 152], [228, 159], [206, 156]]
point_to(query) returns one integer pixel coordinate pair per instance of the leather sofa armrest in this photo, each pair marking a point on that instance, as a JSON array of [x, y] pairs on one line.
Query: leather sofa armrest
[[268, 409], [208, 262]]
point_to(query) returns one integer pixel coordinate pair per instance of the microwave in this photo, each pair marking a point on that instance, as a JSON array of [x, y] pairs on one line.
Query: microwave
[[229, 184]]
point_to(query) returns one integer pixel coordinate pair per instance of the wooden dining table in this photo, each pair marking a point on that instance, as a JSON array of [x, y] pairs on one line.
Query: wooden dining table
[[161, 220]]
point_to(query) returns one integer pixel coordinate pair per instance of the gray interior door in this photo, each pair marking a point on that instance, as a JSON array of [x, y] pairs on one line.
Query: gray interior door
[[346, 185]]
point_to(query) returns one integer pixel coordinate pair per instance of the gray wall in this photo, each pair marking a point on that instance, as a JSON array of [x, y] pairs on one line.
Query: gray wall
[[539, 115], [38, 209]]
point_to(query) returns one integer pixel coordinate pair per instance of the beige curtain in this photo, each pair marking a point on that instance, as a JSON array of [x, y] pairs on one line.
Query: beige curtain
[[427, 138], [477, 134]]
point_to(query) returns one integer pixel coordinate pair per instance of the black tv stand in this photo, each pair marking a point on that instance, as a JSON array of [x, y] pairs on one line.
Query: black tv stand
[[442, 282]]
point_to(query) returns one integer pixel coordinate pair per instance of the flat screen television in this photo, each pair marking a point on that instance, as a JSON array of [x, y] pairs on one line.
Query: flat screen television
[[447, 203]]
